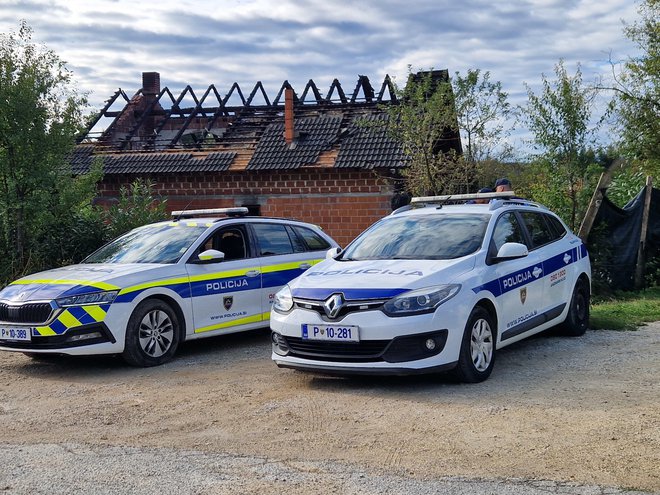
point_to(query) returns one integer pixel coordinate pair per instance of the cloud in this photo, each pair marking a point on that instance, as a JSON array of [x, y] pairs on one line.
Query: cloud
[[109, 43]]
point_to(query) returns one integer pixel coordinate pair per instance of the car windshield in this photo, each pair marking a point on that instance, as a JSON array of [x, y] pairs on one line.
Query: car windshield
[[158, 243], [420, 237]]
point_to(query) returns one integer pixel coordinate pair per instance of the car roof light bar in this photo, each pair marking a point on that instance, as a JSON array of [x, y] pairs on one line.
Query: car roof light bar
[[461, 197], [238, 211]]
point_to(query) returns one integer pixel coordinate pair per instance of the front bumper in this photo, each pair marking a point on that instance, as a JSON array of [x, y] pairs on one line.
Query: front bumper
[[81, 335], [86, 335], [388, 345]]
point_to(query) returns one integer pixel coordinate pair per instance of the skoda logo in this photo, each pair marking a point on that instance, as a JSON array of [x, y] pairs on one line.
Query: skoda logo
[[332, 305]]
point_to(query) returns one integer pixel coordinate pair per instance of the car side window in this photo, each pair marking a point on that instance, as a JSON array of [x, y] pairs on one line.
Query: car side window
[[507, 229], [537, 228], [231, 241], [314, 241], [272, 239], [557, 227]]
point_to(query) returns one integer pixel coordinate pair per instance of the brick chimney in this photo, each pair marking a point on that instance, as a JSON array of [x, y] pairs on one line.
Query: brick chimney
[[288, 116], [150, 83]]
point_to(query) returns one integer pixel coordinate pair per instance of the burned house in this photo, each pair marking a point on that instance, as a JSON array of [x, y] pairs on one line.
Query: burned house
[[322, 159]]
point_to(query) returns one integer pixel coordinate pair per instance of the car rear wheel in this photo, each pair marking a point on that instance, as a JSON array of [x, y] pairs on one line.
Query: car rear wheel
[[477, 355], [577, 319], [152, 334]]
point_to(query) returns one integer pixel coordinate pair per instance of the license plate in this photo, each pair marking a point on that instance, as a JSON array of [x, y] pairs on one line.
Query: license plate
[[15, 333], [342, 333]]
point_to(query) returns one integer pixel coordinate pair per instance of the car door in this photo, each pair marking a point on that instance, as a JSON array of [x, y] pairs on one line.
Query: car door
[[284, 253], [226, 294], [557, 257], [518, 283]]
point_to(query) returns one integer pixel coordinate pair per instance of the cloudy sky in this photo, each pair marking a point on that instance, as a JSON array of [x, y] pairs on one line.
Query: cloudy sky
[[109, 43]]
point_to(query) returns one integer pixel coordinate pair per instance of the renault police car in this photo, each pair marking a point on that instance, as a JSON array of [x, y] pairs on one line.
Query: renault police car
[[435, 286], [160, 284]]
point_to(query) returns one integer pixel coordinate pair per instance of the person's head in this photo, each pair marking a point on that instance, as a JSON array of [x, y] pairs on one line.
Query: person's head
[[502, 185], [483, 190]]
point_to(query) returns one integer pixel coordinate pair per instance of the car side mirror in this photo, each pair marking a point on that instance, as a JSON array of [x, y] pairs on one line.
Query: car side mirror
[[511, 251], [332, 253], [210, 256]]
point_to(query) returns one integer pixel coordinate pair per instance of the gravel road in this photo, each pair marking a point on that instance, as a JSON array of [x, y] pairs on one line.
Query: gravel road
[[558, 415]]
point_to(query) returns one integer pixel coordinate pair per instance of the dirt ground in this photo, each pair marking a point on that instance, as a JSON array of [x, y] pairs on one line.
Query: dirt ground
[[583, 410]]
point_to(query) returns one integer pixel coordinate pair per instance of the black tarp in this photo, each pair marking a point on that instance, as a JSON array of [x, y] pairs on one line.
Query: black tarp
[[615, 236]]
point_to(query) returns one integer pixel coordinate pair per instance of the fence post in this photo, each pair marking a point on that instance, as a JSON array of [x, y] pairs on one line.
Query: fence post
[[639, 268]]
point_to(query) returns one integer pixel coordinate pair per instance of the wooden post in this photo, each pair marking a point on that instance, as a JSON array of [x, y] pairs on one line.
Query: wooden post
[[597, 198], [594, 206], [639, 268]]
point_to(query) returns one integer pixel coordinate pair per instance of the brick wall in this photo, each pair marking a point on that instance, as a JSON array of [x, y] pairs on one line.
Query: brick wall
[[342, 202]]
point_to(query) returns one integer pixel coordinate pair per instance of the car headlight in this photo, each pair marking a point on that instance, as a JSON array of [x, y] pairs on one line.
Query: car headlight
[[90, 298], [283, 300], [420, 301]]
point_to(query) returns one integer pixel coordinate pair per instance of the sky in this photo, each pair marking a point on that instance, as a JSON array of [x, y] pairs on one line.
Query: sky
[[107, 44]]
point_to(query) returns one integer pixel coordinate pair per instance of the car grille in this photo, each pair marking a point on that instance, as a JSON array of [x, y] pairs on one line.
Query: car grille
[[25, 313], [367, 350], [349, 306]]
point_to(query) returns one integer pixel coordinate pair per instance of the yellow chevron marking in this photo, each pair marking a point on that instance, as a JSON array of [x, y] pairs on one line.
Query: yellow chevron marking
[[45, 331], [96, 312], [68, 320]]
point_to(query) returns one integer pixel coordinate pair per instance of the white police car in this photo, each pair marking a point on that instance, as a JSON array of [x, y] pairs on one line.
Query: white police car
[[435, 287], [145, 292]]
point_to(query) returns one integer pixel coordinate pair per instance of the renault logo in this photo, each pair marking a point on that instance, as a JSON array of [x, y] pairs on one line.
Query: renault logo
[[332, 305]]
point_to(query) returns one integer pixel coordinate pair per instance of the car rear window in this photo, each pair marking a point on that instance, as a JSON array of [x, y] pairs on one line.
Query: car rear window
[[423, 237]]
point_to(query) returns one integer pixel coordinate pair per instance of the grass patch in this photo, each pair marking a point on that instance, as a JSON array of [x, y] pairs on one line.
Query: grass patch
[[625, 310]]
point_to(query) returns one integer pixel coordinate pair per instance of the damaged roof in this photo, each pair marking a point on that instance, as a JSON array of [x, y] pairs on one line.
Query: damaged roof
[[154, 132]]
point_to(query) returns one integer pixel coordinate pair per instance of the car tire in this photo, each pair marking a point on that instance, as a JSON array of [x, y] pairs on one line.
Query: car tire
[[477, 354], [577, 319], [152, 334]]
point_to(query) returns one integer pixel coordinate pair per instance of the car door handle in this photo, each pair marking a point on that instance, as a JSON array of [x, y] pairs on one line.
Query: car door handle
[[305, 266], [252, 273]]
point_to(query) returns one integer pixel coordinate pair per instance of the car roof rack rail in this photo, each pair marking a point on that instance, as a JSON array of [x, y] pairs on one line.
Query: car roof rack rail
[[460, 198], [238, 211], [496, 200]]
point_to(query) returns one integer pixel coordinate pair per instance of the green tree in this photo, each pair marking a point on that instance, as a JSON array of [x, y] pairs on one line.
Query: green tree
[[137, 206], [482, 111], [424, 123], [40, 116], [559, 119], [638, 92]]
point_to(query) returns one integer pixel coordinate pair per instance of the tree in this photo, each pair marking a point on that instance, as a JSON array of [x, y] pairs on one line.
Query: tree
[[638, 92], [482, 110], [559, 118], [40, 116], [423, 122]]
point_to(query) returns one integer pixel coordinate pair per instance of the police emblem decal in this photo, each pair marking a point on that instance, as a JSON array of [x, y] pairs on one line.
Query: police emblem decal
[[227, 301], [523, 295]]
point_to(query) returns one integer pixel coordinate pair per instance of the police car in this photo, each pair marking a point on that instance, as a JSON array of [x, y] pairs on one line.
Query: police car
[[144, 293], [433, 287]]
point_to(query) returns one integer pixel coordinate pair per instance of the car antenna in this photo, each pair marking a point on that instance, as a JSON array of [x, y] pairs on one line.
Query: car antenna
[[181, 213]]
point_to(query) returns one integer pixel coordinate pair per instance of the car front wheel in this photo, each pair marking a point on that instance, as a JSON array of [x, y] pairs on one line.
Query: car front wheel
[[152, 334], [477, 355]]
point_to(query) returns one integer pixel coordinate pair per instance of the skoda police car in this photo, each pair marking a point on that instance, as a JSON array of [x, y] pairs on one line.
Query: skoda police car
[[160, 284], [435, 286]]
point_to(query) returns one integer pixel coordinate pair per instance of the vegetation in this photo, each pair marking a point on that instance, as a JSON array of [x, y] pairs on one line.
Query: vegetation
[[638, 92], [626, 311], [47, 217], [565, 162], [40, 115]]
